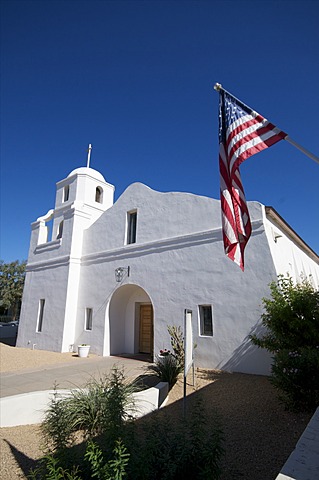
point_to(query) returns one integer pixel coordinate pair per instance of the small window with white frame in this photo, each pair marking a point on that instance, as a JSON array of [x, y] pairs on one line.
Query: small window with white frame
[[131, 227], [40, 315], [88, 318], [205, 320]]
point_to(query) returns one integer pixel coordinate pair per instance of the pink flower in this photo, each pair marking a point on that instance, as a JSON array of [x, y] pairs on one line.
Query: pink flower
[[165, 352]]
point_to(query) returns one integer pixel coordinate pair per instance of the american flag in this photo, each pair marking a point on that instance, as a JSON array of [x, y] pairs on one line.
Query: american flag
[[242, 133]]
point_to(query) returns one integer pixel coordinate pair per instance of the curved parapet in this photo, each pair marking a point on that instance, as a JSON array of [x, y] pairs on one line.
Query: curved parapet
[[47, 217]]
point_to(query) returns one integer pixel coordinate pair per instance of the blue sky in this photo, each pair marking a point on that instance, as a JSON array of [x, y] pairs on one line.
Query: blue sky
[[135, 79]]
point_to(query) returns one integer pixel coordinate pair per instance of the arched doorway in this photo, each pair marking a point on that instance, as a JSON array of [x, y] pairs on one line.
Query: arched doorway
[[131, 321]]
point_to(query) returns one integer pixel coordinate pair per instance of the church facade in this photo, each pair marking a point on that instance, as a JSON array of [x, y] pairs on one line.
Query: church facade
[[114, 275]]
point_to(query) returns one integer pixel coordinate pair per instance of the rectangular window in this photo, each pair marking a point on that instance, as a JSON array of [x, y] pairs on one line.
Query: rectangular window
[[206, 320], [131, 227], [88, 318], [40, 315], [66, 193]]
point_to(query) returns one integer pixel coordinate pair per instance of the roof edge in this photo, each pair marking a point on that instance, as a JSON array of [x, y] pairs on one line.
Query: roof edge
[[274, 215]]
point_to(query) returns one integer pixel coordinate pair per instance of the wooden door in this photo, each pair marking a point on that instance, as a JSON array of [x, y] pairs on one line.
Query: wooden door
[[146, 329]]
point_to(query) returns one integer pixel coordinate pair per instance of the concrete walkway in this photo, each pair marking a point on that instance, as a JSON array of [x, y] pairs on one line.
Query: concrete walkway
[[67, 375], [303, 463]]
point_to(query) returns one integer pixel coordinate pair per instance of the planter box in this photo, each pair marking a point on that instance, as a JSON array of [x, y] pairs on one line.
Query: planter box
[[83, 350]]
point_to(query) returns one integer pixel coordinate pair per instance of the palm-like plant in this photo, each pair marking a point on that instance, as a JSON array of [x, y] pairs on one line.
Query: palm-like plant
[[167, 368]]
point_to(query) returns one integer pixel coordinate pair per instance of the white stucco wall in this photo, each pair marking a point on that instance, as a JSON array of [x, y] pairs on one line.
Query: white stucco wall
[[49, 284], [159, 216], [288, 257], [177, 262]]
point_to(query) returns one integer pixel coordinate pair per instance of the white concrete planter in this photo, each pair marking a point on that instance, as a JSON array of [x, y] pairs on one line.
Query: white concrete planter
[[83, 350], [29, 408]]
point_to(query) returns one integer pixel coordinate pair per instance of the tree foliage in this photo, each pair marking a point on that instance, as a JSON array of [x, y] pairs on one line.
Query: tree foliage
[[12, 277], [291, 319]]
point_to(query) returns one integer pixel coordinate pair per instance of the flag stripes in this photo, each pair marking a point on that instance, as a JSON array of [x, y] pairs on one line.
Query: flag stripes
[[242, 133]]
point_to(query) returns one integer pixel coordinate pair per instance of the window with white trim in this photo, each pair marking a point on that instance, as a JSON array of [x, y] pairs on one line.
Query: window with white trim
[[40, 315], [131, 227], [88, 318], [205, 320]]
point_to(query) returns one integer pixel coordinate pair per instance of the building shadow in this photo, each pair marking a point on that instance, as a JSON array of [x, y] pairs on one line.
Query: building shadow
[[248, 357], [144, 357], [25, 463]]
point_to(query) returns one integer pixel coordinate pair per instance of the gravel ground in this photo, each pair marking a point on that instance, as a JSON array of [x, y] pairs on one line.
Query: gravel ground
[[13, 359], [259, 434]]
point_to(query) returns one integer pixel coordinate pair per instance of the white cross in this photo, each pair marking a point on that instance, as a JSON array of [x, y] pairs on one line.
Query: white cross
[[89, 156]]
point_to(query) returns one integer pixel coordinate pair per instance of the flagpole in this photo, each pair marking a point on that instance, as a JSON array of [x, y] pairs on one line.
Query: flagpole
[[303, 150], [219, 87]]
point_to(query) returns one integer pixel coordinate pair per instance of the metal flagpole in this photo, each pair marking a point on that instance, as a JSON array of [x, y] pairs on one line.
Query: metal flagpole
[[303, 150], [219, 87]]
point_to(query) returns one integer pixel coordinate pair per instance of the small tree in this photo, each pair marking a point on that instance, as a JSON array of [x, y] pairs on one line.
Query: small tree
[[177, 343], [169, 365], [292, 336], [12, 277]]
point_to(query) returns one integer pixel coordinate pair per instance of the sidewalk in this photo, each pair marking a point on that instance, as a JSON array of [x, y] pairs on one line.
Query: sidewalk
[[67, 375]]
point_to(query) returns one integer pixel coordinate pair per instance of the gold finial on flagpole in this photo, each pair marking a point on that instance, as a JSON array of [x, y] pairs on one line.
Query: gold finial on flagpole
[[89, 156], [217, 87]]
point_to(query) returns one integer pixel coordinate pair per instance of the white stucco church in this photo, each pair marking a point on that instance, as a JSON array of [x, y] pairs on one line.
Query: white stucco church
[[114, 275]]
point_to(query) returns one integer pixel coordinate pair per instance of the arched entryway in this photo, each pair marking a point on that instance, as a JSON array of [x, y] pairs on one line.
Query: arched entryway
[[131, 321]]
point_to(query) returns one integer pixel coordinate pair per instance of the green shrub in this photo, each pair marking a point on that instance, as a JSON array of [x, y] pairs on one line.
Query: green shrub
[[291, 319], [113, 469], [296, 376], [99, 407], [50, 469], [186, 448], [157, 447], [57, 428], [167, 368]]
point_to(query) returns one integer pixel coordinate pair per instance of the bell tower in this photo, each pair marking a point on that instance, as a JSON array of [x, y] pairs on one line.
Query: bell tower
[[54, 261], [81, 198]]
